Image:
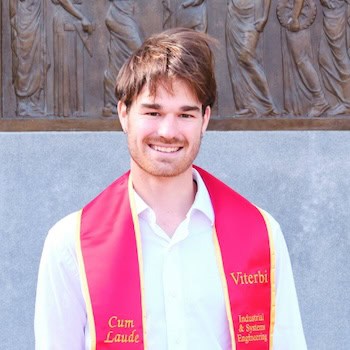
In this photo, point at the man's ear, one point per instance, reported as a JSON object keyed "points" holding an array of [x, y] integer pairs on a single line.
{"points": [[206, 118], [123, 115]]}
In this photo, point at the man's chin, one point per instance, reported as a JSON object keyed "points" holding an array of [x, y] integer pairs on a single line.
{"points": [[165, 170]]}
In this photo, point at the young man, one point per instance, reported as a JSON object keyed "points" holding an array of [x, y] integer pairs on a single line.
{"points": [[167, 257]]}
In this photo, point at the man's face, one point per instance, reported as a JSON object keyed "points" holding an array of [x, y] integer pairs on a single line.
{"points": [[165, 130]]}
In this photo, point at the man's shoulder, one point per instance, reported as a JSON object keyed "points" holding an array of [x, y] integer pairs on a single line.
{"points": [[61, 237], [67, 223], [270, 219], [274, 228]]}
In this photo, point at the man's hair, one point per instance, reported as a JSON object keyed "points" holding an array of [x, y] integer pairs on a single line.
{"points": [[173, 54]]}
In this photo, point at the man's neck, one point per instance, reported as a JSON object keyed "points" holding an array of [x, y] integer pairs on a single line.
{"points": [[169, 197]]}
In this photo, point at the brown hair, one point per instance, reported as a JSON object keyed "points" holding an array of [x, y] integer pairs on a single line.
{"points": [[176, 53]]}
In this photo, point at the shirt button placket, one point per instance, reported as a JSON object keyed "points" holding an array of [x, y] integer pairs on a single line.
{"points": [[173, 299]]}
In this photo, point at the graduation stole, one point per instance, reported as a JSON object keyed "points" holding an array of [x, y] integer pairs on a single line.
{"points": [[111, 270]]}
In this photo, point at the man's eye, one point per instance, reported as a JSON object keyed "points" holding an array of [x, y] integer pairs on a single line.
{"points": [[153, 114], [185, 116]]}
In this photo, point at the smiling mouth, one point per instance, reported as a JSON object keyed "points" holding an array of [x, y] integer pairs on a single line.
{"points": [[164, 149]]}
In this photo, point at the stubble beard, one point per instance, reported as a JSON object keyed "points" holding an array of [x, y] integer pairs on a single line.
{"points": [[159, 168]]}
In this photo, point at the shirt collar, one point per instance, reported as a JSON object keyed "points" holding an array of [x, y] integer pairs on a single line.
{"points": [[201, 202]]}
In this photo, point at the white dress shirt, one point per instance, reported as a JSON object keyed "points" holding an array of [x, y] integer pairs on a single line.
{"points": [[185, 308]]}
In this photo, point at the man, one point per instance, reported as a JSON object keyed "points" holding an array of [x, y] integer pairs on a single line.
{"points": [[167, 257]]}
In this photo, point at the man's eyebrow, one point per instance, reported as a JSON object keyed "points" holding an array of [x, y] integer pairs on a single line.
{"points": [[157, 106], [151, 105], [190, 108]]}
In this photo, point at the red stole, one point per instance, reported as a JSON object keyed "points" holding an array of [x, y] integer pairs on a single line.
{"points": [[110, 258]]}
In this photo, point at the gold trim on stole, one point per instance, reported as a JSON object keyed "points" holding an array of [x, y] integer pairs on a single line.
{"points": [[139, 254], [225, 288], [273, 276], [85, 288]]}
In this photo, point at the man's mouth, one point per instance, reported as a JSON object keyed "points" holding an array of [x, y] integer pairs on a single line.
{"points": [[164, 149]]}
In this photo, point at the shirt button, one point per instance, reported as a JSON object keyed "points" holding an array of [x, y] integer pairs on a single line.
{"points": [[178, 341]]}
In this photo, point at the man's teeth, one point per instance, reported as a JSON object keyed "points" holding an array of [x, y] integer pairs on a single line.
{"points": [[166, 149]]}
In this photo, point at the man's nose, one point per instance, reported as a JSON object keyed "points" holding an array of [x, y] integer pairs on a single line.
{"points": [[168, 126]]}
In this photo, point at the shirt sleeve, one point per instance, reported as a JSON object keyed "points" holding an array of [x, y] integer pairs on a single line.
{"points": [[288, 332], [60, 315]]}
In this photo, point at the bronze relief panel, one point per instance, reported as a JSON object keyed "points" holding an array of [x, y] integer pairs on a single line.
{"points": [[277, 60]]}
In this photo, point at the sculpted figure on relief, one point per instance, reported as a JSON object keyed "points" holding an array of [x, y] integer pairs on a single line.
{"points": [[333, 56], [185, 13], [246, 20], [303, 93], [29, 60], [71, 31], [125, 38]]}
